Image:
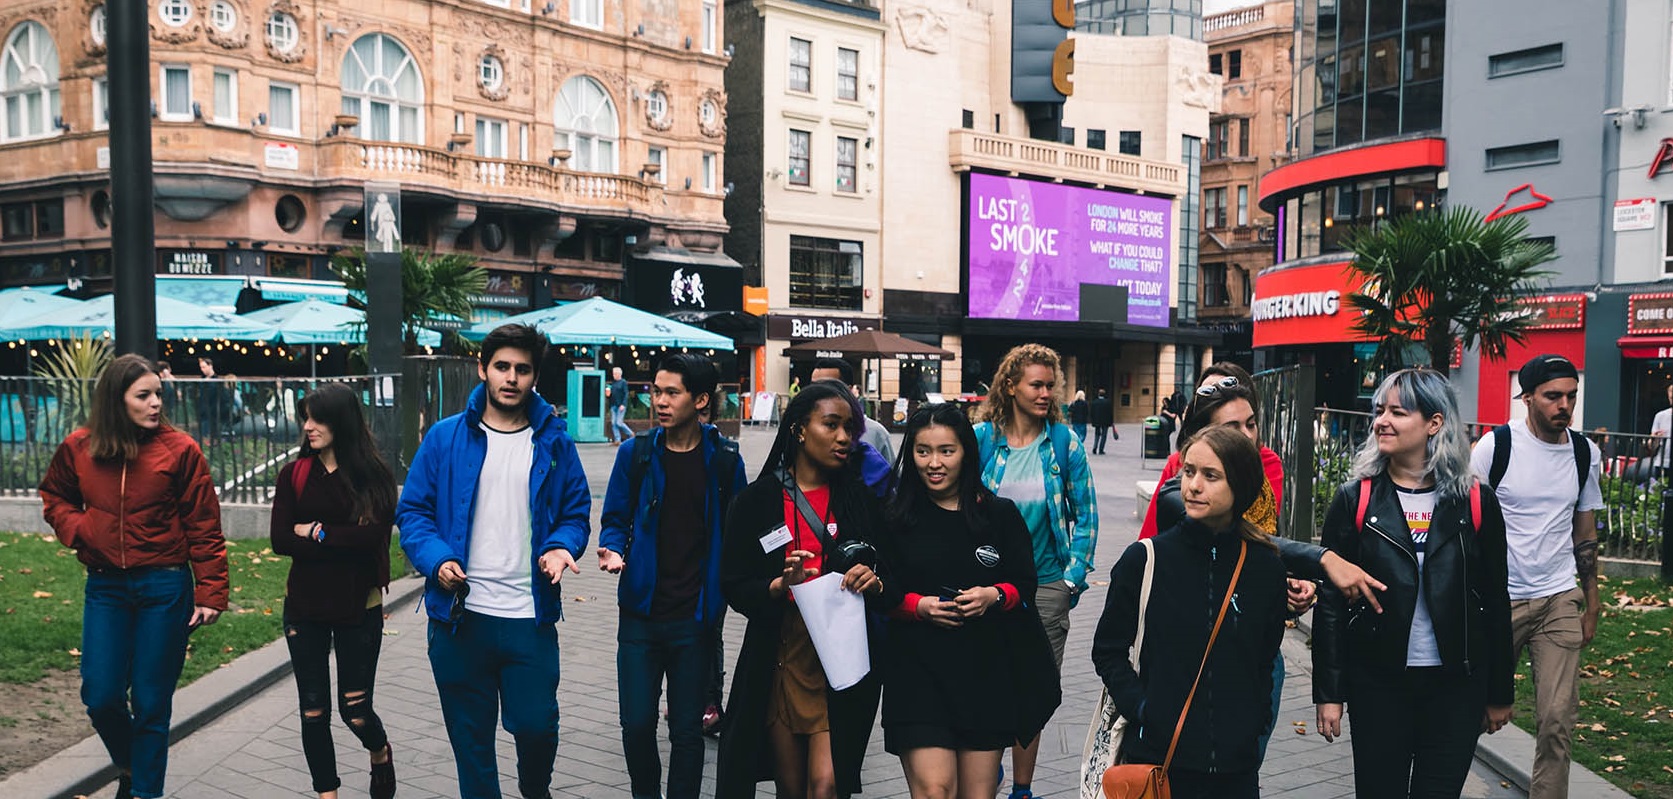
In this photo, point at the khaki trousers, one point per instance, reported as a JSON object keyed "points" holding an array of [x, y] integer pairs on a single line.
{"points": [[1550, 629]]}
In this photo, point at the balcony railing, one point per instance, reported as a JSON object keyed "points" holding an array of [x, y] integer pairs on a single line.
{"points": [[1233, 19], [969, 149]]}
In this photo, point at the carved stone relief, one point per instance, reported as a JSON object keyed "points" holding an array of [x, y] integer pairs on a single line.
{"points": [[666, 121], [1196, 87], [714, 127], [923, 29], [500, 92], [235, 39], [93, 49], [295, 53]]}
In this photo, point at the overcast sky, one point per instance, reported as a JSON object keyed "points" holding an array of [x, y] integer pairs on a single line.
{"points": [[1217, 6]]}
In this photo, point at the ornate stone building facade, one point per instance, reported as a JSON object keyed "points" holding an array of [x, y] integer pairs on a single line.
{"points": [[560, 141]]}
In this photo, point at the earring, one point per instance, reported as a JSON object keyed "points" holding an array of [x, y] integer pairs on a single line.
{"points": [[801, 440]]}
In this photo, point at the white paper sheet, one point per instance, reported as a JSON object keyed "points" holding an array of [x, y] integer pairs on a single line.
{"points": [[836, 621]]}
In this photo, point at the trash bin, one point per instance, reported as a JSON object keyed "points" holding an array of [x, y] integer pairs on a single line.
{"points": [[1155, 438]]}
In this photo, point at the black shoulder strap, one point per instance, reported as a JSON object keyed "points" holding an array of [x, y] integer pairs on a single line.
{"points": [[1501, 455], [636, 471], [1582, 458], [725, 465]]}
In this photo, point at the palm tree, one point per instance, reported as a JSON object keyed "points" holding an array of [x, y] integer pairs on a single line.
{"points": [[1435, 279], [434, 286]]}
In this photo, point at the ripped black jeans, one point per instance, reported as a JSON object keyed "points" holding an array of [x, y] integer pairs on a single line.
{"points": [[357, 648]]}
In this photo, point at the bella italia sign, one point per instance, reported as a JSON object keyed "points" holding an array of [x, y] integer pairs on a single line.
{"points": [[798, 327]]}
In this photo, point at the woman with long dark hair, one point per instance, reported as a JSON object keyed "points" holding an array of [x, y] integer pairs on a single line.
{"points": [[1215, 555], [1424, 678], [332, 515], [807, 513], [961, 587], [133, 497]]}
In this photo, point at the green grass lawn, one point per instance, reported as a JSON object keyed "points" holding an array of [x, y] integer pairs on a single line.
{"points": [[41, 596], [1626, 694]]}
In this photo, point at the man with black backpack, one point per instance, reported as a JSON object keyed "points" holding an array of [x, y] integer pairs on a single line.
{"points": [[661, 529], [1549, 493]]}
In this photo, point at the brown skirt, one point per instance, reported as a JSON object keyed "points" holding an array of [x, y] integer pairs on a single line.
{"points": [[797, 701]]}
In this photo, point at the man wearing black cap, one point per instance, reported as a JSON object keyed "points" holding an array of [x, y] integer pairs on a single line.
{"points": [[1549, 493]]}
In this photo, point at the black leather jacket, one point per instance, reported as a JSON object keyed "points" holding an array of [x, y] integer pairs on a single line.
{"points": [[1464, 581], [1303, 559]]}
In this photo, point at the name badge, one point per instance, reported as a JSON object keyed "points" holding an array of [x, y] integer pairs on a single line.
{"points": [[775, 539]]}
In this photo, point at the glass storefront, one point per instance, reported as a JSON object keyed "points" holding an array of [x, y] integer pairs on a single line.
{"points": [[1319, 221], [1367, 70]]}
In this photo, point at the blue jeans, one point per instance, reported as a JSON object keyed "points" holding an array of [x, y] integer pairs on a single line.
{"points": [[647, 651], [1277, 694], [133, 643], [486, 666], [1080, 431], [618, 428]]}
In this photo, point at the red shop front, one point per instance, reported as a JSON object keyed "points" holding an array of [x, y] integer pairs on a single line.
{"points": [[1559, 328], [1302, 316]]}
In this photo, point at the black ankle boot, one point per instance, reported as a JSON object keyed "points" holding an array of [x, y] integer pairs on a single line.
{"points": [[124, 786], [383, 776]]}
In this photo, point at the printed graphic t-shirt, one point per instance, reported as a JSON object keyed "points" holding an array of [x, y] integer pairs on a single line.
{"points": [[1025, 484], [1419, 507]]}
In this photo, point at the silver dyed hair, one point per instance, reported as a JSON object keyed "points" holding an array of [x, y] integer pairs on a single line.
{"points": [[1448, 460]]}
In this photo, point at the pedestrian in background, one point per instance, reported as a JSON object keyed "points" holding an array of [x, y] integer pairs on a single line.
{"points": [[875, 435], [133, 497], [494, 509], [1426, 676], [1080, 412], [617, 395], [962, 584], [661, 531], [1029, 456], [333, 509], [1217, 601], [214, 404], [1103, 418], [809, 512]]}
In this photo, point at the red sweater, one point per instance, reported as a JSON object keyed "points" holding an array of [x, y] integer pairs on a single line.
{"points": [[159, 509], [330, 580], [1270, 463]]}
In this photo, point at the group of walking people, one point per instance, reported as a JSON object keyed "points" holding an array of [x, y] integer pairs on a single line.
{"points": [[968, 553]]}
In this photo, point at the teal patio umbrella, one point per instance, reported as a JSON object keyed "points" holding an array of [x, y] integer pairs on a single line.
{"points": [[600, 322], [320, 322], [17, 305], [176, 321]]}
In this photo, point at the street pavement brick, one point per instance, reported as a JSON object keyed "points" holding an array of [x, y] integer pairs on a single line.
{"points": [[254, 751]]}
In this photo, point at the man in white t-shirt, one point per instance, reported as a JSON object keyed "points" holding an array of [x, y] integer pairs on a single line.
{"points": [[1660, 428], [494, 509], [1551, 533]]}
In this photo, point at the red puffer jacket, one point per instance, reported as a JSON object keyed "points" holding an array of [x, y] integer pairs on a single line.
{"points": [[159, 509]]}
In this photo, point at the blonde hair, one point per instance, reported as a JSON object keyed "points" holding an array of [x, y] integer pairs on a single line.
{"points": [[1000, 402]]}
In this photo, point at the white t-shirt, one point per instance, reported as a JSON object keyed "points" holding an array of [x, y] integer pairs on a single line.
{"points": [[500, 567], [1539, 498], [1662, 425], [1419, 507]]}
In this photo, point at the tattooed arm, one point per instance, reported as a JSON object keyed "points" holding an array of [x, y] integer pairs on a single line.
{"points": [[1585, 563]]}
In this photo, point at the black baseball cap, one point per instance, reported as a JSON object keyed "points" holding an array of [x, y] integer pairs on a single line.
{"points": [[1543, 369]]}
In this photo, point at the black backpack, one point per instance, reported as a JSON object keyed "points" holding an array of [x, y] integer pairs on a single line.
{"points": [[725, 463], [1501, 456]]}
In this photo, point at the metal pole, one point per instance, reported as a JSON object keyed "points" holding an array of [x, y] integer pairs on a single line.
{"points": [[133, 231]]}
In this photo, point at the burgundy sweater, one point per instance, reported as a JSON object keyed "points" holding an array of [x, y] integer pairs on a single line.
{"points": [[330, 581]]}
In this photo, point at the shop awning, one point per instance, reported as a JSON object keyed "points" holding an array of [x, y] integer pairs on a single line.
{"points": [[220, 292], [1652, 347], [674, 255]]}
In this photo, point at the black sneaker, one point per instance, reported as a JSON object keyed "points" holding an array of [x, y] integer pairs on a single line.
{"points": [[383, 776], [124, 786]]}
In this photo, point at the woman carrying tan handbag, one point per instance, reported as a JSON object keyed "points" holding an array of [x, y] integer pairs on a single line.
{"points": [[1218, 600]]}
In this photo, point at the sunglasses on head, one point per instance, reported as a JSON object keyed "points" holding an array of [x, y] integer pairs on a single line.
{"points": [[1214, 388]]}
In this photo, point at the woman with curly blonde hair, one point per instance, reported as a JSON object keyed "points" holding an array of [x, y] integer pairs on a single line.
{"points": [[1030, 457]]}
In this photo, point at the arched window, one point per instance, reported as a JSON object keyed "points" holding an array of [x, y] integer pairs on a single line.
{"points": [[586, 123], [382, 86], [29, 83]]}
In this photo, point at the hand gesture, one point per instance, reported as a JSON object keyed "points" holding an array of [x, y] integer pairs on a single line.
{"points": [[862, 580], [1302, 594], [1588, 625], [973, 602], [1495, 717], [1330, 720], [609, 561], [794, 574], [1351, 580], [939, 613], [202, 616], [554, 562], [451, 575]]}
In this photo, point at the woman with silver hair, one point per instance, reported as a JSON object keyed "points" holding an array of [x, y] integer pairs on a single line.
{"points": [[1433, 670]]}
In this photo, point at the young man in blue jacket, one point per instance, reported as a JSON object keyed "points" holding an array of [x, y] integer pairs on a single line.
{"points": [[495, 508], [663, 513]]}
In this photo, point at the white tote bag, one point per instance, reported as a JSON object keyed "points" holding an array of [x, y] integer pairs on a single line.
{"points": [[1103, 737]]}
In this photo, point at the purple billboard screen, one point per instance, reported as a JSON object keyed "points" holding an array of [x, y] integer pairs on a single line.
{"points": [[1033, 244]]}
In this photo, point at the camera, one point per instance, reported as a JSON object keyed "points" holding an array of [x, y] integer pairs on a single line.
{"points": [[848, 554]]}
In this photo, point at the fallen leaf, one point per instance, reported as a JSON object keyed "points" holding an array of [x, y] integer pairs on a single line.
{"points": [[43, 594], [1616, 758], [75, 653], [391, 632], [266, 611], [25, 571]]}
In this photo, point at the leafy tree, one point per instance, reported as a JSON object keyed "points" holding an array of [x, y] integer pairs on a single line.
{"points": [[433, 286], [1434, 279]]}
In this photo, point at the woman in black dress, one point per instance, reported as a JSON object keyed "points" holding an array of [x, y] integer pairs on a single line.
{"points": [[784, 722], [959, 685]]}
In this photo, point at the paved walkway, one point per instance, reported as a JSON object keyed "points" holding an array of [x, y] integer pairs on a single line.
{"points": [[254, 751]]}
